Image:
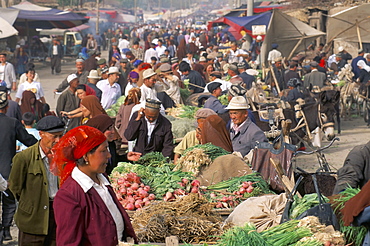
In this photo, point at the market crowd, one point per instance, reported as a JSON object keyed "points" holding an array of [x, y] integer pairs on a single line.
{"points": [[64, 171]]}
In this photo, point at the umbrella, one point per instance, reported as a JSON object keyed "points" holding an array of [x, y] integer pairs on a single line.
{"points": [[6, 30]]}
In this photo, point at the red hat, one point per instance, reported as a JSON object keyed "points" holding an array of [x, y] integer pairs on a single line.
{"points": [[73, 146]]}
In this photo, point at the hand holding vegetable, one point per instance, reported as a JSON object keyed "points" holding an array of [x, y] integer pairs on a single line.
{"points": [[133, 156]]}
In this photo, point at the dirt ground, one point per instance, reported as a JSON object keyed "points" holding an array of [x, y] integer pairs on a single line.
{"points": [[354, 132]]}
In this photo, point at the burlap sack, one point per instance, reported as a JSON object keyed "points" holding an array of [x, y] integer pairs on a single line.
{"points": [[223, 168], [264, 211]]}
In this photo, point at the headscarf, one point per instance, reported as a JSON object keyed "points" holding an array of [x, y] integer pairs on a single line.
{"points": [[363, 65], [93, 105], [27, 107], [102, 122], [144, 66], [133, 75], [181, 50], [87, 89], [213, 130], [134, 95], [73, 146]]}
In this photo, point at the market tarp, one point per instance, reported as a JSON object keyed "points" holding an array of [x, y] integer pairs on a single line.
{"points": [[237, 24], [6, 30], [10, 15], [343, 25], [289, 33], [35, 16]]}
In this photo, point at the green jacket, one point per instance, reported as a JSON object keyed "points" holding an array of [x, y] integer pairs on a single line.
{"points": [[28, 182]]}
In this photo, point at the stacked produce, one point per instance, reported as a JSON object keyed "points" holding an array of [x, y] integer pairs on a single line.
{"points": [[182, 111], [131, 192], [113, 110], [190, 218], [181, 126], [301, 205], [354, 234], [156, 174], [198, 156], [307, 231], [230, 193]]}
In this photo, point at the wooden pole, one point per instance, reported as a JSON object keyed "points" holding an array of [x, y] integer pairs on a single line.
{"points": [[295, 48], [358, 34], [275, 80]]}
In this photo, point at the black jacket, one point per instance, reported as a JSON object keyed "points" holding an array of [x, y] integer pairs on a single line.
{"points": [[11, 130], [356, 169], [161, 139]]}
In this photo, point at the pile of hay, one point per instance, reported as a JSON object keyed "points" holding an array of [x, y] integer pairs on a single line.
{"points": [[190, 218]]}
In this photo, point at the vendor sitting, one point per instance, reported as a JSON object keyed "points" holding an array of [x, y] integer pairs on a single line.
{"points": [[213, 102], [151, 130], [293, 93], [190, 138], [243, 132]]}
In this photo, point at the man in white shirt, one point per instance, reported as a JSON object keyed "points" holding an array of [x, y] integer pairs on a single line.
{"points": [[235, 54], [274, 54], [160, 48], [7, 73], [216, 77], [149, 53], [111, 91], [171, 83], [123, 43], [148, 88]]}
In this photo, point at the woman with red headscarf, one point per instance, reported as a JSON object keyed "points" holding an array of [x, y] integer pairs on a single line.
{"points": [[95, 215]]}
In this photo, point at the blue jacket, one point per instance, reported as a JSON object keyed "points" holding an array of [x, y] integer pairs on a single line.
{"points": [[215, 104]]}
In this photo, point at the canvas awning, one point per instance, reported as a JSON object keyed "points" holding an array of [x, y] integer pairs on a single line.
{"points": [[350, 24], [289, 33], [6, 30], [238, 24], [34, 16]]}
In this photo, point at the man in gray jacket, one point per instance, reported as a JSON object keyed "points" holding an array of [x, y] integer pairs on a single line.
{"points": [[243, 132], [315, 78]]}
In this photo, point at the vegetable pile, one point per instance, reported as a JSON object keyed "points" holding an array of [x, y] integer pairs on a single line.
{"points": [[182, 111], [113, 110], [353, 234], [230, 193], [190, 218], [307, 231], [198, 156], [131, 192], [301, 205]]}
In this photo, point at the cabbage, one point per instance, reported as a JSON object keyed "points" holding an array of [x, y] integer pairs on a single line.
{"points": [[111, 112]]}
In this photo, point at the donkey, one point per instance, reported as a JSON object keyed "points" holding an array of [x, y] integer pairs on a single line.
{"points": [[316, 113], [349, 95]]}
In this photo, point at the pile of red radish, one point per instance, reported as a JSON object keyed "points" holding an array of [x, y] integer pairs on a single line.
{"points": [[131, 192], [223, 201], [185, 189]]}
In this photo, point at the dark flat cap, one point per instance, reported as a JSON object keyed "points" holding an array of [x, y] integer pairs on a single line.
{"points": [[123, 60], [216, 74], [101, 61], [213, 86], [50, 124]]}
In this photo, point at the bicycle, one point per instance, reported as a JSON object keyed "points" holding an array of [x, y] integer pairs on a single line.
{"points": [[324, 165]]}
